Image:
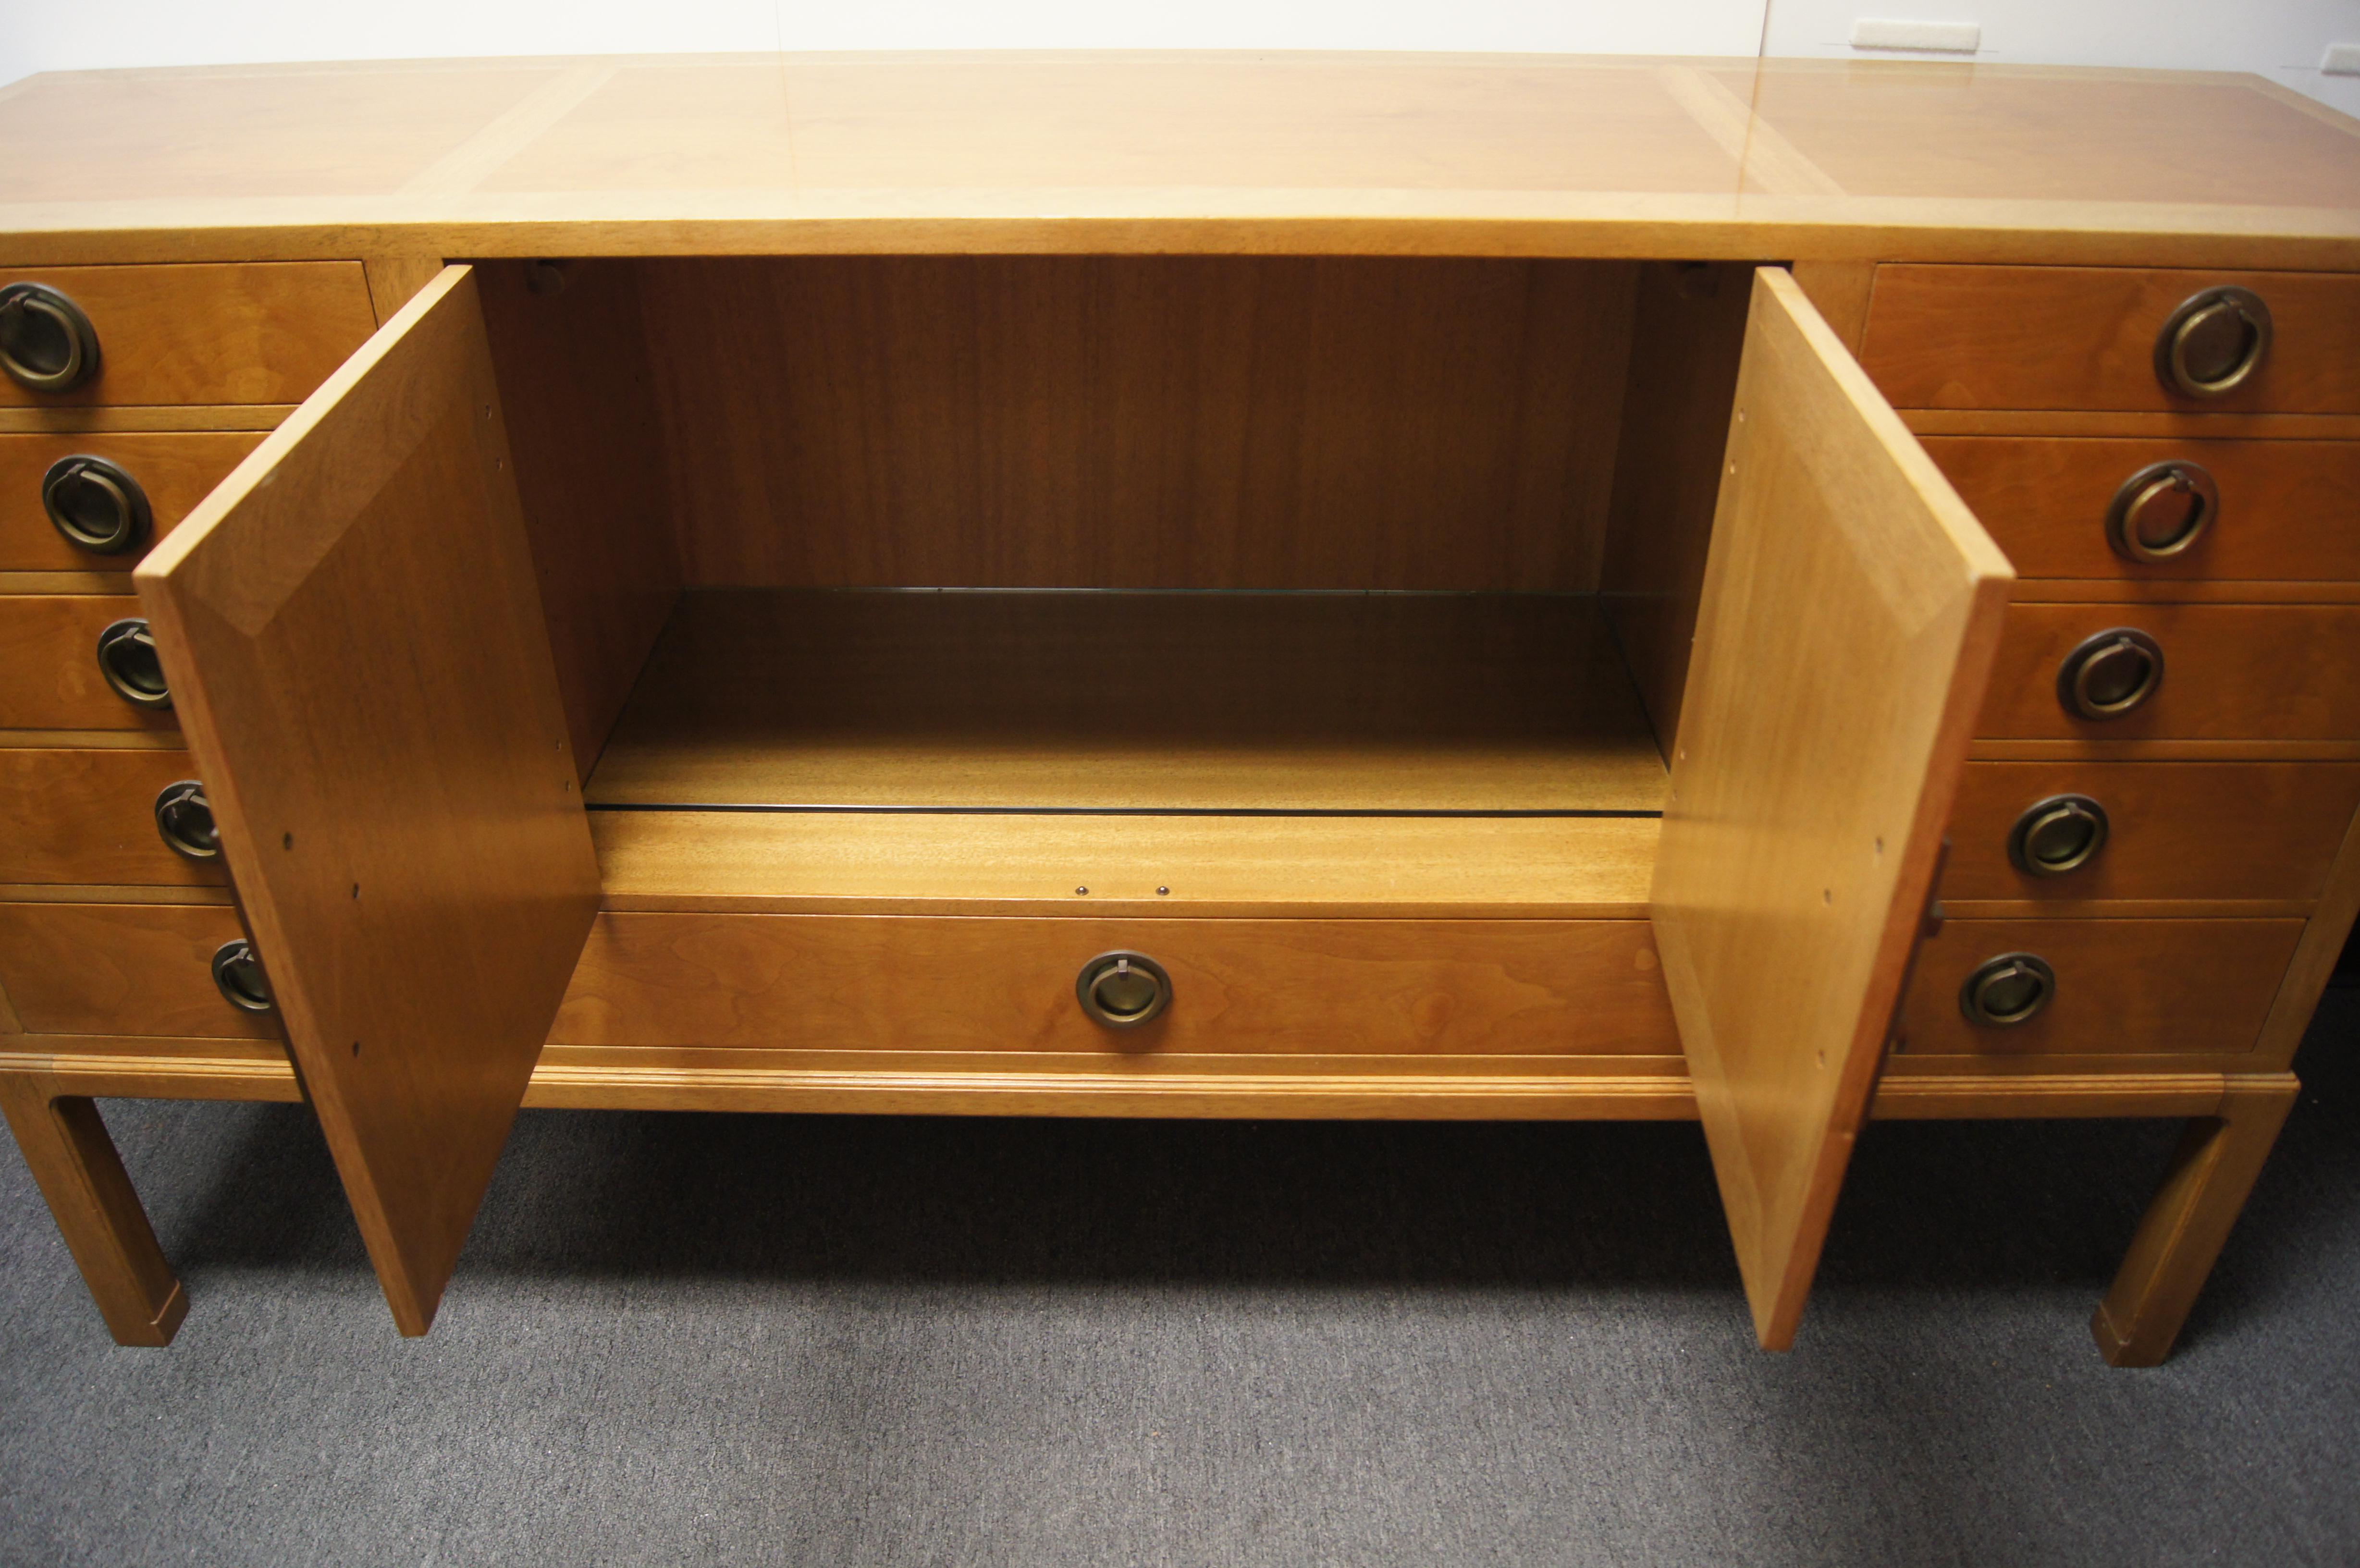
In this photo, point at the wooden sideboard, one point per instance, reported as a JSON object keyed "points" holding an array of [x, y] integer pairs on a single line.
{"points": [[1186, 585]]}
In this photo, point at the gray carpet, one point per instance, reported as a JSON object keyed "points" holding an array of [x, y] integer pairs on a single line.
{"points": [[742, 1340]]}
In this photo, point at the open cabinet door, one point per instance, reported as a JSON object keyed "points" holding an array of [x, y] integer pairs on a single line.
{"points": [[1850, 609], [354, 642]]}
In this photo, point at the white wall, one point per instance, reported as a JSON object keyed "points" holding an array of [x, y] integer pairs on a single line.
{"points": [[2280, 38]]}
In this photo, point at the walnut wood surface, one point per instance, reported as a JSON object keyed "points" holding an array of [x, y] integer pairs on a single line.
{"points": [[257, 332], [364, 681], [2066, 337], [121, 969], [2265, 672], [173, 469], [1815, 765], [48, 647], [2129, 986], [1565, 869], [897, 984], [1177, 700], [2176, 830], [1139, 423], [2045, 501], [76, 816]]}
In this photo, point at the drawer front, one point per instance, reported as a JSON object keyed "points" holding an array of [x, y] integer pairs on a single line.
{"points": [[141, 969], [172, 473], [2123, 987], [2084, 337], [2173, 829], [50, 678], [90, 817], [914, 983], [240, 333], [2284, 511], [2230, 673]]}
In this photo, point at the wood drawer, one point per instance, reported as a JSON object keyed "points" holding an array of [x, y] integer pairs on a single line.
{"points": [[2174, 830], [2231, 672], [237, 332], [122, 969], [50, 678], [174, 470], [921, 982], [2083, 337], [2285, 506], [89, 817], [2124, 987]]}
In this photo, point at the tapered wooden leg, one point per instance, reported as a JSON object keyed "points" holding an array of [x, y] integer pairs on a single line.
{"points": [[74, 1161], [2183, 1230]]}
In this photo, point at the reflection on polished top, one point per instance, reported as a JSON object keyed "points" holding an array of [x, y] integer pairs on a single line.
{"points": [[1538, 154]]}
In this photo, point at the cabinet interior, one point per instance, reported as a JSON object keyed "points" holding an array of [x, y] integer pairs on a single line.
{"points": [[1340, 582]]}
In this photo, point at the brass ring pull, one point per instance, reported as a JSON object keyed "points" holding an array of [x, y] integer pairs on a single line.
{"points": [[1123, 990], [95, 505], [2008, 990], [2108, 675], [2161, 511], [185, 821], [47, 344], [2061, 834], [238, 976], [126, 656], [2212, 344]]}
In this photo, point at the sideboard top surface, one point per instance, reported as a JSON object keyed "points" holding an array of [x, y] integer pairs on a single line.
{"points": [[1530, 155]]}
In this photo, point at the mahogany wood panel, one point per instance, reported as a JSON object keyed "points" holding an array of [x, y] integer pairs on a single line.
{"points": [[895, 982], [2231, 672], [174, 469], [2283, 504], [67, 1148], [49, 650], [582, 423], [79, 816], [2198, 986], [2081, 337], [2315, 959], [242, 332], [1129, 701], [2175, 830], [1851, 607], [1689, 334], [1140, 422], [122, 969], [369, 695]]}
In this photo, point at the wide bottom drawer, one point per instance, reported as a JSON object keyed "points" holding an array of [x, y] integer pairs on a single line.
{"points": [[131, 969], [921, 983]]}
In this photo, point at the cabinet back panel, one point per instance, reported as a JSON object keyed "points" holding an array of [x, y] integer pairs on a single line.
{"points": [[1139, 421]]}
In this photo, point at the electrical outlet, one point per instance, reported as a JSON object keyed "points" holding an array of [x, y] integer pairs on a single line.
{"points": [[1933, 37]]}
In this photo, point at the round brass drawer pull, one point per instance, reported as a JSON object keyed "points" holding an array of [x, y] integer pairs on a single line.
{"points": [[2161, 511], [2062, 833], [1123, 990], [95, 505], [2214, 342], [2108, 675], [46, 343], [186, 821], [2008, 990], [126, 656], [237, 974]]}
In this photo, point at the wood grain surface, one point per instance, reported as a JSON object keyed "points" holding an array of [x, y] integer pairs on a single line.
{"points": [[77, 816], [2267, 672], [369, 695], [48, 648], [122, 969], [173, 469], [1171, 700], [255, 332], [2071, 337], [1817, 758]]}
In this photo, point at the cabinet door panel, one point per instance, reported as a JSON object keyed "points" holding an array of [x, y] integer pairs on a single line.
{"points": [[355, 646], [1850, 609]]}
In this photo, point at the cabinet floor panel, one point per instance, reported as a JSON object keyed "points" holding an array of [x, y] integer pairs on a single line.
{"points": [[1130, 701]]}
